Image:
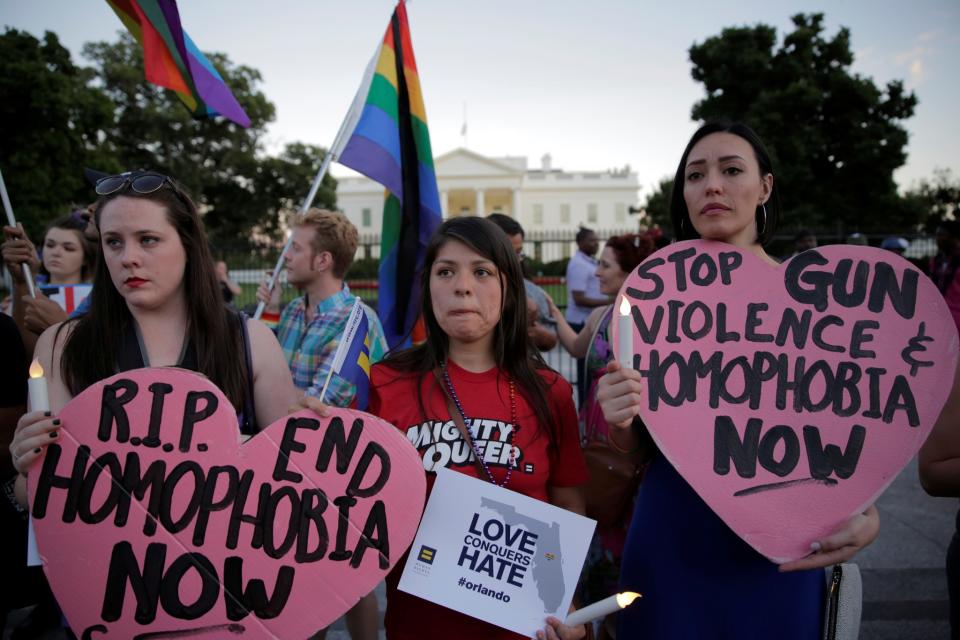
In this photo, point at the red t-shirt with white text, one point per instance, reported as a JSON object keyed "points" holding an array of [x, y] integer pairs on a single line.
{"points": [[485, 398]]}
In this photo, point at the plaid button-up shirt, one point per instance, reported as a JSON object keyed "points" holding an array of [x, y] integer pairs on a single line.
{"points": [[310, 348]]}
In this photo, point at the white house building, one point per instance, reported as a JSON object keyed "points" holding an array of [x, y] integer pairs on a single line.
{"points": [[541, 199]]}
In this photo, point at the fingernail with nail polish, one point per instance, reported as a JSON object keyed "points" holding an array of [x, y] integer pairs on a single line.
{"points": [[815, 546], [56, 421], [53, 434], [37, 450], [47, 414]]}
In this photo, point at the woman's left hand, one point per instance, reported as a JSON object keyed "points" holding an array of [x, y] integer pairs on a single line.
{"points": [[556, 630], [311, 403], [858, 532]]}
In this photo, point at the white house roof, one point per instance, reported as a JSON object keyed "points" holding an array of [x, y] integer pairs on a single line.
{"points": [[462, 162]]}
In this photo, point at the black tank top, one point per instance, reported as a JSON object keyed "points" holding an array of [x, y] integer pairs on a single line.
{"points": [[131, 356]]}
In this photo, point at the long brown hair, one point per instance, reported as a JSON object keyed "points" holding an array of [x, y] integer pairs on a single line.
{"points": [[90, 352], [767, 216], [513, 352]]}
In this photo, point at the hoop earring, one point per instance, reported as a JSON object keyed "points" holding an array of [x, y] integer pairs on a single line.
{"points": [[763, 226]]}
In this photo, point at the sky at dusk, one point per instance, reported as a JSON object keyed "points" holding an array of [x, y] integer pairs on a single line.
{"points": [[597, 84]]}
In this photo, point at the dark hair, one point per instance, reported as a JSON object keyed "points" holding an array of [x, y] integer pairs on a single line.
{"points": [[73, 222], [510, 226], [631, 249], [513, 352], [212, 329], [804, 233], [680, 217], [951, 227], [582, 233]]}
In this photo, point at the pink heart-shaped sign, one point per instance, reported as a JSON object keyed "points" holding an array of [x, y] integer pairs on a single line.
{"points": [[153, 521], [788, 397]]}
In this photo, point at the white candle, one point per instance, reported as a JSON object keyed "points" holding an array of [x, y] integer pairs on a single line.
{"points": [[625, 335], [39, 401], [37, 386], [600, 609]]}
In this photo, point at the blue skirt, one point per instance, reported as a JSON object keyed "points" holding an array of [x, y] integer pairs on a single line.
{"points": [[700, 581]]}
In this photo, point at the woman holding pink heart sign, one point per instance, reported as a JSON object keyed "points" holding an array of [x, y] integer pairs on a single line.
{"points": [[157, 304], [698, 578]]}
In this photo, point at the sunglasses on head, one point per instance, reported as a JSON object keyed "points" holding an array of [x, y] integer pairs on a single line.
{"points": [[143, 183]]}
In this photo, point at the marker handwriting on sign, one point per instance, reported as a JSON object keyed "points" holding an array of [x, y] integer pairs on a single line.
{"points": [[848, 284], [283, 520], [800, 388], [775, 373]]}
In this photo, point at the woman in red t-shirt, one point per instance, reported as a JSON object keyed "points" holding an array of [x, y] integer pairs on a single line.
{"points": [[520, 413]]}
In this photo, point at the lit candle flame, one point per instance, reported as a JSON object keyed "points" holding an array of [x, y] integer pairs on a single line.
{"points": [[624, 307], [626, 598], [36, 371]]}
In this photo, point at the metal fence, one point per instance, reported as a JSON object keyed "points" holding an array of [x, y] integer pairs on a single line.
{"points": [[547, 253]]}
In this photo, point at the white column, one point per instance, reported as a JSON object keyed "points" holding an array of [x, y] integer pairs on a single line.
{"points": [[515, 212], [481, 207], [444, 205]]}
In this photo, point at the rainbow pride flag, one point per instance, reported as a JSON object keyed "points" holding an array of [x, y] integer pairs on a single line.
{"points": [[385, 137], [172, 60]]}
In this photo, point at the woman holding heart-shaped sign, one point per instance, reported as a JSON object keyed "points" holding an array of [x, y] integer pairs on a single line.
{"points": [[697, 577], [157, 303]]}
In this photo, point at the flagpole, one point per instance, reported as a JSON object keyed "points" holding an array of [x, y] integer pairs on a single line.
{"points": [[327, 159], [353, 114], [326, 383], [13, 223]]}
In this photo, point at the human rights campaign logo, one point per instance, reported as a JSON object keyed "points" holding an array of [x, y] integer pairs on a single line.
{"points": [[426, 554]]}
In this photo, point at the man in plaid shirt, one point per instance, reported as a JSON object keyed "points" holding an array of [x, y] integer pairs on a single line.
{"points": [[309, 330]]}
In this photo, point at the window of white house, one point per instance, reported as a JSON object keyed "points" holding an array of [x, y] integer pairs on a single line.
{"points": [[620, 212], [564, 214], [538, 214], [367, 218], [592, 213]]}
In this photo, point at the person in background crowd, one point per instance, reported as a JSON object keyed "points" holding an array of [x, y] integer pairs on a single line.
{"points": [[228, 287], [543, 328], [857, 238], [620, 256], [804, 239], [22, 586], [678, 550], [939, 466], [895, 244], [68, 258], [943, 266], [583, 291], [322, 248]]}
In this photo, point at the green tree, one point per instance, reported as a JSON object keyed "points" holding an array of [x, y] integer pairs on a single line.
{"points": [[657, 205], [835, 137], [52, 124], [222, 165], [935, 199]]}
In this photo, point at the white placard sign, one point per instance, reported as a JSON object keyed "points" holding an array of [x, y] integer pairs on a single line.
{"points": [[495, 554]]}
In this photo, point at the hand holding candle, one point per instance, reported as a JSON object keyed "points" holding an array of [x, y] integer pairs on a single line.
{"points": [[600, 609], [625, 335]]}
